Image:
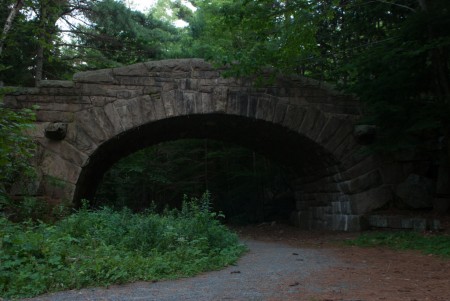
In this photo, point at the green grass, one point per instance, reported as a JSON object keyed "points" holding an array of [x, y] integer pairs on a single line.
{"points": [[99, 248], [438, 244]]}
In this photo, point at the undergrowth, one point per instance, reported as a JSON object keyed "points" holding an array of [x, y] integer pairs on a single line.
{"points": [[99, 248], [438, 244]]}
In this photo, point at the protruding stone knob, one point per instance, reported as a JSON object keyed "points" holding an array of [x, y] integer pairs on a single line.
{"points": [[56, 131], [365, 134]]}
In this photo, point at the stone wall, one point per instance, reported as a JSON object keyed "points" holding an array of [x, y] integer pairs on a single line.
{"points": [[85, 125]]}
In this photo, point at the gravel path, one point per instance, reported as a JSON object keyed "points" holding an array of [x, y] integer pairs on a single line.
{"points": [[269, 271]]}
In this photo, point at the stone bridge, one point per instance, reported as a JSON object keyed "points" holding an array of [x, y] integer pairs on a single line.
{"points": [[85, 125]]}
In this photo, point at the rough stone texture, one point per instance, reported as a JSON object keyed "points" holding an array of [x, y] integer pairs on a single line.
{"points": [[56, 131], [400, 222], [365, 134], [416, 191], [362, 183], [369, 200], [56, 83], [441, 205], [112, 112]]}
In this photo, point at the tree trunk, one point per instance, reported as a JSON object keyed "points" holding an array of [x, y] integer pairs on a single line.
{"points": [[439, 58], [206, 164], [39, 64], [8, 24]]}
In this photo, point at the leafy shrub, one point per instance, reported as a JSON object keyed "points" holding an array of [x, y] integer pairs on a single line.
{"points": [[16, 148], [92, 248]]}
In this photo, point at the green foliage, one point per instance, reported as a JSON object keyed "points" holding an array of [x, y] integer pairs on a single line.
{"points": [[392, 54], [35, 29], [438, 244], [402, 73], [16, 147], [253, 35], [117, 35], [242, 181], [110, 35], [92, 248]]}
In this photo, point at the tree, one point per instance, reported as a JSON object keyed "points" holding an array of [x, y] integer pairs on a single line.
{"points": [[115, 35], [16, 147], [31, 47], [103, 33], [394, 55], [8, 23]]}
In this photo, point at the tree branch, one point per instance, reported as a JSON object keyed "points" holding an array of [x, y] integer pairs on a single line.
{"points": [[399, 5], [12, 15]]}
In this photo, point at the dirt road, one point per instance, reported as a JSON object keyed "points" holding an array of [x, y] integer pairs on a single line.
{"points": [[284, 263]]}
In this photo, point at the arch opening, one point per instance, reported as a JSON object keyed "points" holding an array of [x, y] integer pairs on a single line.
{"points": [[299, 156], [243, 185]]}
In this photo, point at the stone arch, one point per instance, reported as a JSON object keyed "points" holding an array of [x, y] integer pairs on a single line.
{"points": [[107, 113]]}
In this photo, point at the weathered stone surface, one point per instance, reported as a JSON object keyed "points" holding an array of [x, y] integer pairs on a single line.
{"points": [[103, 76], [416, 191], [136, 70], [219, 99], [56, 83], [58, 189], [294, 117], [392, 172], [77, 136], [347, 148], [55, 166], [330, 128], [266, 108], [63, 107], [303, 219], [401, 222], [237, 103], [347, 222], [132, 112], [441, 205], [341, 207], [365, 134], [65, 150], [158, 106], [38, 130], [57, 91], [307, 126], [362, 183], [189, 101], [338, 137], [362, 167], [96, 124], [370, 200], [56, 131], [280, 111]]}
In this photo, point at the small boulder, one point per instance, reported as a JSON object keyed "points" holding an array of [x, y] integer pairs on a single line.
{"points": [[416, 191], [365, 134], [56, 131]]}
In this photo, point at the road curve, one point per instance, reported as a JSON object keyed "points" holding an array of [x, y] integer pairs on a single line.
{"points": [[269, 271]]}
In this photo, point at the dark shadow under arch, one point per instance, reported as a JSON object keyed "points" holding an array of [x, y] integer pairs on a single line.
{"points": [[295, 152]]}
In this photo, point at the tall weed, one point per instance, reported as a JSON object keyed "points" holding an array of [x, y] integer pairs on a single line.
{"points": [[95, 248]]}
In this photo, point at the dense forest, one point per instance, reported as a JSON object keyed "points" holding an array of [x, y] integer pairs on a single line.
{"points": [[244, 185], [393, 55]]}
